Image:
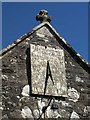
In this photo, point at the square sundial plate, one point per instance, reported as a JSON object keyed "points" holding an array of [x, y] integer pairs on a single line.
{"points": [[48, 75]]}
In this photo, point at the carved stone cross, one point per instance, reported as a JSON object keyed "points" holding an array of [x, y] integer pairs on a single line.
{"points": [[43, 17]]}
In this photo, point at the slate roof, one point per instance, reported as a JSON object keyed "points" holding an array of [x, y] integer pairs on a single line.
{"points": [[60, 39]]}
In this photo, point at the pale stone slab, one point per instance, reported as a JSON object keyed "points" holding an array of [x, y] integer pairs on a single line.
{"points": [[39, 57]]}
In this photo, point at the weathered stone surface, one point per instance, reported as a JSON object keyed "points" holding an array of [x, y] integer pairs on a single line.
{"points": [[16, 75], [78, 79], [16, 113], [39, 57], [52, 113], [36, 113], [26, 90], [44, 31], [64, 114], [74, 115], [26, 112], [73, 94]]}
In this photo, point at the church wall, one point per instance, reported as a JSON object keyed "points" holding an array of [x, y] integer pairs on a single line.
{"points": [[16, 101]]}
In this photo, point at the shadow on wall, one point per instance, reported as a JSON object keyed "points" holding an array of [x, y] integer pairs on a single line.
{"points": [[28, 68]]}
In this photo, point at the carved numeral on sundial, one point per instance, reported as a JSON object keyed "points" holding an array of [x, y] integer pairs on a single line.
{"points": [[48, 74]]}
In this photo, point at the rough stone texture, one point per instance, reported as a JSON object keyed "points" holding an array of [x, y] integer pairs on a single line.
{"points": [[16, 74], [73, 95], [26, 90], [39, 57]]}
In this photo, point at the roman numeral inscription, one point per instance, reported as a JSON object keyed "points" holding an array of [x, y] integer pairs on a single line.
{"points": [[48, 75]]}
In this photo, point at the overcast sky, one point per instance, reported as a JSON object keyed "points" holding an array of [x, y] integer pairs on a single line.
{"points": [[69, 19]]}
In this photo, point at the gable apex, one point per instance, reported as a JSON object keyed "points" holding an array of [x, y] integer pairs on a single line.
{"points": [[78, 58]]}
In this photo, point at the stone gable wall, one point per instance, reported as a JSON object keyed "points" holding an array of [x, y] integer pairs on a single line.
{"points": [[16, 101]]}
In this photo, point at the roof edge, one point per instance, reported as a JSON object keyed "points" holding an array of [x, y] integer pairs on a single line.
{"points": [[22, 38], [16, 42], [68, 45]]}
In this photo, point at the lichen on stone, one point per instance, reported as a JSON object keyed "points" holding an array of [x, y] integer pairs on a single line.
{"points": [[73, 94]]}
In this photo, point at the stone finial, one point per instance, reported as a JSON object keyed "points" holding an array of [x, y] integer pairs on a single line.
{"points": [[43, 17]]}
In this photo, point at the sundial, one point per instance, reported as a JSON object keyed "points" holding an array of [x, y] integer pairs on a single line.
{"points": [[48, 75]]}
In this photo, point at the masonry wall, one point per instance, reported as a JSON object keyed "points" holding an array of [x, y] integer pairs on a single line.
{"points": [[16, 101]]}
